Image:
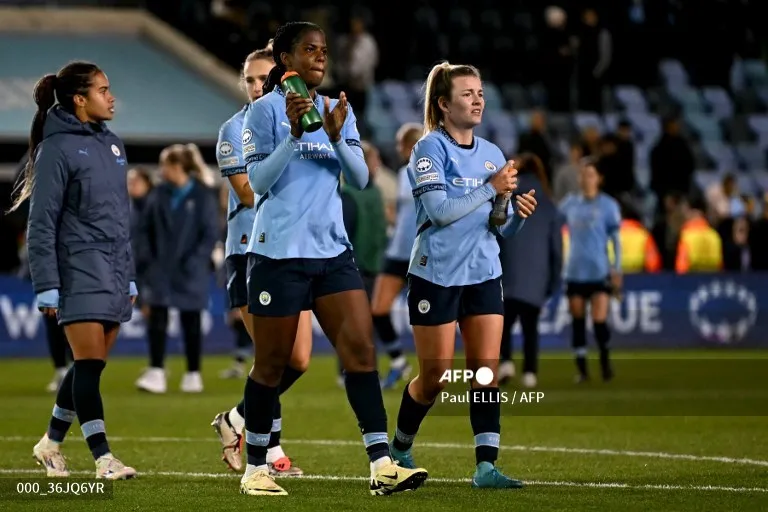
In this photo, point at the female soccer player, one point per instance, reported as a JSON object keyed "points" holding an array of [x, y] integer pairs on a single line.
{"points": [[229, 425], [593, 218], [177, 235], [299, 256], [391, 280], [79, 248], [455, 273]]}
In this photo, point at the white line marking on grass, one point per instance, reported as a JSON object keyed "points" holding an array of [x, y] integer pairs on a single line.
{"points": [[338, 478], [517, 448]]}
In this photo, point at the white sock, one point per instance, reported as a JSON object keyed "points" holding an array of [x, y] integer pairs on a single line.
{"points": [[236, 420], [380, 462], [398, 362], [250, 469], [274, 454]]}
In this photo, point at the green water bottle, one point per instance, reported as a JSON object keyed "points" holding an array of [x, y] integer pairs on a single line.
{"points": [[292, 82]]}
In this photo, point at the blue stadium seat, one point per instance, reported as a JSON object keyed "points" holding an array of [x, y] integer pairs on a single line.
{"points": [[515, 96], [405, 113], [706, 178], [508, 146], [687, 97], [759, 124], [755, 73], [706, 127], [647, 127], [611, 122], [523, 121], [761, 180], [719, 102], [631, 98], [642, 172], [501, 124], [747, 185], [721, 154], [750, 156], [584, 120], [643, 160], [382, 124], [395, 93], [492, 96], [673, 72]]}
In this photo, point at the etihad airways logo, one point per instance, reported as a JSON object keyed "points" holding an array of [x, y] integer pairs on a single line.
{"points": [[315, 150]]}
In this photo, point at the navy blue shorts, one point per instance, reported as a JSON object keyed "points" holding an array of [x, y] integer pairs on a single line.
{"points": [[397, 268], [237, 277], [586, 289], [432, 304], [288, 287]]}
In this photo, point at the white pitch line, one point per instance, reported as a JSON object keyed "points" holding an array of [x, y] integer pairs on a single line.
{"points": [[339, 478], [460, 446]]}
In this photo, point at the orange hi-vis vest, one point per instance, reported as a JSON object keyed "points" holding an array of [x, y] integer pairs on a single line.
{"points": [[699, 249], [638, 250]]}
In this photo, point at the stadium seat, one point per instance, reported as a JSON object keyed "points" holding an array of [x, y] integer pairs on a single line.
{"points": [[687, 97], [706, 127], [750, 156], [761, 180], [515, 96], [492, 96], [642, 172], [643, 159], [719, 102], [631, 98], [523, 121], [584, 120], [755, 73], [759, 125], [646, 126], [395, 93], [405, 114], [673, 73], [501, 124], [721, 154], [706, 178]]}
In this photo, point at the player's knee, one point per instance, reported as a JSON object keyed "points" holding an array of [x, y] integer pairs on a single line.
{"points": [[431, 383], [268, 372], [300, 362]]}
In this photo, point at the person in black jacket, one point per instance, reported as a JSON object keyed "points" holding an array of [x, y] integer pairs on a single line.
{"points": [[79, 247], [531, 264], [139, 186], [179, 229]]}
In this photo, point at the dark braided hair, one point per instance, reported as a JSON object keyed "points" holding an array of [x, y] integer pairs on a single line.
{"points": [[285, 41]]}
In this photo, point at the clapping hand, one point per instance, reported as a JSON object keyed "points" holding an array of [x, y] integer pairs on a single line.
{"points": [[526, 204], [333, 120]]}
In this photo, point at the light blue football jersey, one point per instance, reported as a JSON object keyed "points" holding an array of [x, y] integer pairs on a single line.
{"points": [[591, 223], [455, 245], [401, 243], [299, 214], [229, 154]]}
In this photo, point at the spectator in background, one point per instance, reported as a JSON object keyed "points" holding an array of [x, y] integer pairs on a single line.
{"points": [[625, 148], [700, 248], [672, 162], [537, 143], [359, 57], [666, 230], [758, 240], [638, 250], [557, 59], [179, 228], [737, 253], [590, 141], [619, 180], [365, 220], [723, 200], [139, 187], [595, 48], [531, 264], [567, 175]]}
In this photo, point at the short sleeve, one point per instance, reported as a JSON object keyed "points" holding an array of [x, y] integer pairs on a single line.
{"points": [[258, 136], [427, 167], [229, 150]]}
